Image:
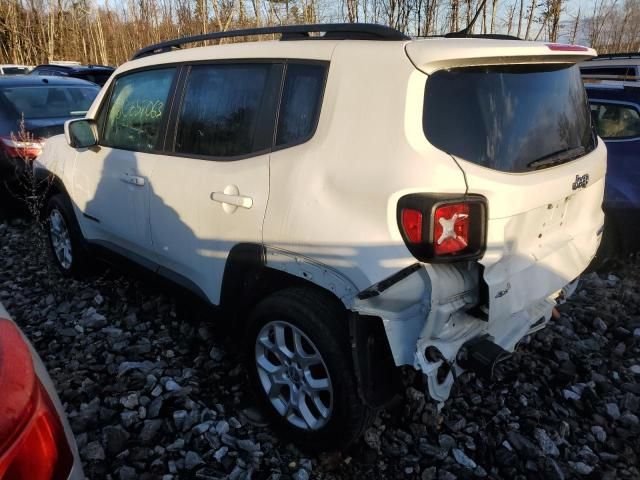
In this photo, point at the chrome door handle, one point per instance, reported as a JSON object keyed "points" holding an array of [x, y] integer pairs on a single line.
{"points": [[132, 179], [231, 199]]}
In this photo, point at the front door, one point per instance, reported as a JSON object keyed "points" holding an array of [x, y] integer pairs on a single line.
{"points": [[111, 185], [210, 191]]}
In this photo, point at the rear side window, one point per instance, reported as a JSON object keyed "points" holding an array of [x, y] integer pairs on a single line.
{"points": [[220, 114], [509, 118], [616, 121], [614, 71], [303, 88], [136, 109]]}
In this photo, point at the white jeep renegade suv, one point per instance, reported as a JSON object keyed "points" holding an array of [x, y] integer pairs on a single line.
{"points": [[355, 201]]}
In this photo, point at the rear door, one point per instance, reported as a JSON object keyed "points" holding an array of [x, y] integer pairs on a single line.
{"points": [[523, 136], [209, 192]]}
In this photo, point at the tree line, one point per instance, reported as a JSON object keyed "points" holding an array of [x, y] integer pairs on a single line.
{"points": [[109, 31]]}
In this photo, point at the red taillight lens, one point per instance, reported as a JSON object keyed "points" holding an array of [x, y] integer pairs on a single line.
{"points": [[451, 228], [32, 441], [412, 224], [16, 148]]}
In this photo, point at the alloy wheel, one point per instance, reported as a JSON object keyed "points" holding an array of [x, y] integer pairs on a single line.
{"points": [[294, 375]]}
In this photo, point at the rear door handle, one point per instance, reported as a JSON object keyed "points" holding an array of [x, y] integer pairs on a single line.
{"points": [[132, 179], [231, 199]]}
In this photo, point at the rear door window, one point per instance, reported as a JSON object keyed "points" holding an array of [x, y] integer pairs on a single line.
{"points": [[616, 121], [222, 113], [509, 118]]}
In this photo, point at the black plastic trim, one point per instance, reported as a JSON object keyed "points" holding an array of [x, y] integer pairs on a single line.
{"points": [[379, 380], [427, 203], [90, 217], [244, 263], [381, 286]]}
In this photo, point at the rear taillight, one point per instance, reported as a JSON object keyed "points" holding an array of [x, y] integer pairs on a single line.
{"points": [[25, 149], [412, 224], [33, 445], [443, 227]]}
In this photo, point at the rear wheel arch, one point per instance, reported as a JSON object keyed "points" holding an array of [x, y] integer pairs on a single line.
{"points": [[253, 271], [251, 275]]}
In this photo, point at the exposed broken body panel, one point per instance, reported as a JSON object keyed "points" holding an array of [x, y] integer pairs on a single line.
{"points": [[430, 308], [431, 311]]}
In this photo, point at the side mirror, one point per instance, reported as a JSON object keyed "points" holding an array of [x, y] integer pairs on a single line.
{"points": [[81, 133]]}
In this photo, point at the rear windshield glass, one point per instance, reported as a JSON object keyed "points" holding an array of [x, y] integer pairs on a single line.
{"points": [[509, 118], [15, 70], [99, 78], [50, 101]]}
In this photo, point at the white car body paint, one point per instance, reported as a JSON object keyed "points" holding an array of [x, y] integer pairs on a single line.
{"points": [[325, 210]]}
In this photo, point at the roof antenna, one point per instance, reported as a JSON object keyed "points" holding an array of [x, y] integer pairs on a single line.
{"points": [[465, 31]]}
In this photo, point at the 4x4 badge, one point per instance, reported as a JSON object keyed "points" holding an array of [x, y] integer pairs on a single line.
{"points": [[581, 181]]}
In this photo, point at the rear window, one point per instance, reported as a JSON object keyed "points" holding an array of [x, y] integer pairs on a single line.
{"points": [[15, 70], [509, 118], [50, 101], [98, 78]]}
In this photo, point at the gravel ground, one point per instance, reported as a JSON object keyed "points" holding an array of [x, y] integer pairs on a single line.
{"points": [[154, 393]]}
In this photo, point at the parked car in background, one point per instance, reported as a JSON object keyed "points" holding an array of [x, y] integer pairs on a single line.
{"points": [[36, 442], [615, 110], [14, 69], [614, 66], [41, 105], [98, 74], [354, 202]]}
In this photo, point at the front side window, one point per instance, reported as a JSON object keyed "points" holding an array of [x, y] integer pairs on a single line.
{"points": [[616, 121], [303, 87], [136, 109], [512, 118], [220, 113]]}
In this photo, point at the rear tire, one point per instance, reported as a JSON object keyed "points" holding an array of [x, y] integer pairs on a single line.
{"points": [[298, 349], [67, 246]]}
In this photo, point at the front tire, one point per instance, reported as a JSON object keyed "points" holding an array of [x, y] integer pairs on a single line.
{"points": [[300, 368], [66, 245]]}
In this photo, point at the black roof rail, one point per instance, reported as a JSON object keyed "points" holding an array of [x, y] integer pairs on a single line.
{"points": [[606, 56], [332, 31], [489, 36]]}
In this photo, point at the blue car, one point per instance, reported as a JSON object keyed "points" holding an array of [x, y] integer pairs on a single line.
{"points": [[615, 110]]}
